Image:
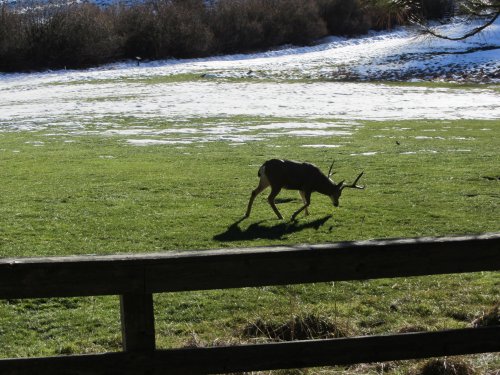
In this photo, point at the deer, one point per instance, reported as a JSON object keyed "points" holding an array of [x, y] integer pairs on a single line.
{"points": [[304, 177]]}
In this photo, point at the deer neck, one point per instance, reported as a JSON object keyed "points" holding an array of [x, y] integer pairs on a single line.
{"points": [[325, 186]]}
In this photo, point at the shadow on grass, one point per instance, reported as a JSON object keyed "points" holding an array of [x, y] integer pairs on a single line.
{"points": [[275, 232]]}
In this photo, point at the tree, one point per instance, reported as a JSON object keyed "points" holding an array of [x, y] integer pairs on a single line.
{"points": [[486, 11]]}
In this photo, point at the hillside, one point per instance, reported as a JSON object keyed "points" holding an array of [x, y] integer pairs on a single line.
{"points": [[249, 82], [401, 55]]}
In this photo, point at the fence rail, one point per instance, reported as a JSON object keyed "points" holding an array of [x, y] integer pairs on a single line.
{"points": [[136, 277]]}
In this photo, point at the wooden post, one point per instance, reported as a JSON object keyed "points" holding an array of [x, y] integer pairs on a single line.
{"points": [[137, 317]]}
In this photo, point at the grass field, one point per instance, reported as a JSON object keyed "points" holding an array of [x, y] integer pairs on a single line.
{"points": [[129, 191]]}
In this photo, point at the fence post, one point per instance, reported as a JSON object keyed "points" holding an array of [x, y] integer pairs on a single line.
{"points": [[137, 317]]}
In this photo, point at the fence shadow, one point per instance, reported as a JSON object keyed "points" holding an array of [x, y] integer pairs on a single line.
{"points": [[275, 232]]}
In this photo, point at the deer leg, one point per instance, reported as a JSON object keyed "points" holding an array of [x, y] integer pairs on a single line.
{"points": [[303, 195], [270, 199], [263, 183], [307, 199]]}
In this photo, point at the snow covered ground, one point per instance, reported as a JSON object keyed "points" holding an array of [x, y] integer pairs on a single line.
{"points": [[335, 81]]}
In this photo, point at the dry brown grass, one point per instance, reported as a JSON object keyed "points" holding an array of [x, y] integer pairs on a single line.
{"points": [[446, 367], [305, 327], [488, 318]]}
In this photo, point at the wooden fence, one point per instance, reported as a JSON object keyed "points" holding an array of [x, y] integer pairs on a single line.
{"points": [[136, 277]]}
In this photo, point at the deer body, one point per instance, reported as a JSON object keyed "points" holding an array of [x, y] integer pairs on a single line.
{"points": [[292, 175]]}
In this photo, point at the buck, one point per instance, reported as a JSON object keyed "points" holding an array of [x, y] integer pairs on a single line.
{"points": [[304, 177]]}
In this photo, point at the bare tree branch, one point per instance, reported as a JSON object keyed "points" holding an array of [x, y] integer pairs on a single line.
{"points": [[487, 11], [474, 31]]}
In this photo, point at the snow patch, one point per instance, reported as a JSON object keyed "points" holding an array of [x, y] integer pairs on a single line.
{"points": [[304, 86], [322, 146]]}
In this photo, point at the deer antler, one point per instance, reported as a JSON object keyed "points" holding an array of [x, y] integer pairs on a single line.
{"points": [[330, 170], [353, 185]]}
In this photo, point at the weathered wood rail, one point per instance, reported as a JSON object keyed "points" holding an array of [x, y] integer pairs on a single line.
{"points": [[136, 277]]}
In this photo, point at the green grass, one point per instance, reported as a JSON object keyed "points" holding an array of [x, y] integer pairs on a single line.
{"points": [[100, 195], [161, 79]]}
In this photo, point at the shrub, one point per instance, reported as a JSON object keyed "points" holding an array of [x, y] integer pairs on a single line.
{"points": [[12, 40], [344, 17], [243, 25], [299, 22], [165, 29], [181, 29], [75, 35], [55, 37], [386, 14], [436, 9], [135, 25]]}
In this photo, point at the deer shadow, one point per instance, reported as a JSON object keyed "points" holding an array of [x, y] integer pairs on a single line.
{"points": [[275, 232]]}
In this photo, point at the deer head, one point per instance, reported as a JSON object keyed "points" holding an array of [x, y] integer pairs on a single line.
{"points": [[336, 189]]}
